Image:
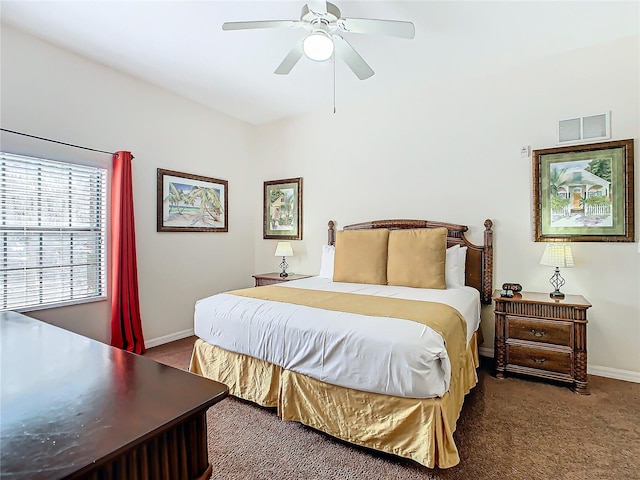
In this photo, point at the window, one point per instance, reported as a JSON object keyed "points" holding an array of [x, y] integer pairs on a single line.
{"points": [[52, 231]]}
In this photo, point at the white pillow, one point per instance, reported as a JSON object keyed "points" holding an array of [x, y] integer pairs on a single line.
{"points": [[326, 264], [451, 266], [455, 266], [462, 265]]}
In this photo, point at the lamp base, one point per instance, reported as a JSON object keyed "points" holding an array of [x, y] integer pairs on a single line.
{"points": [[283, 266], [556, 282]]}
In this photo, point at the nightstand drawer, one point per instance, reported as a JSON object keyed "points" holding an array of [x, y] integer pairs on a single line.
{"points": [[539, 330], [539, 358], [266, 281]]}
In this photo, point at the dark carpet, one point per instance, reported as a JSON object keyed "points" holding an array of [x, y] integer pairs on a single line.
{"points": [[508, 429]]}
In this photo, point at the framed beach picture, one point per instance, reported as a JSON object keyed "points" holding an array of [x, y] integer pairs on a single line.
{"points": [[584, 193], [282, 209], [192, 203]]}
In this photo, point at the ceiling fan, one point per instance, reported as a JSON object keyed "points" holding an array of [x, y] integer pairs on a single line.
{"points": [[325, 25]]}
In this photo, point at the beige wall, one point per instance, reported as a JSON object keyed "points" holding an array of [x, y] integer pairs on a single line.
{"points": [[452, 153], [49, 92]]}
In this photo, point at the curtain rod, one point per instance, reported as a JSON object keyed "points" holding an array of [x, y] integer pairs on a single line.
{"points": [[56, 141]]}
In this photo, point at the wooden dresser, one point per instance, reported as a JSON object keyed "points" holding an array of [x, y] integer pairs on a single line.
{"points": [[75, 408], [543, 337]]}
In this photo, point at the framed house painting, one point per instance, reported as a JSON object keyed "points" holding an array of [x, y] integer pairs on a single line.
{"points": [[282, 209], [584, 193], [191, 203]]}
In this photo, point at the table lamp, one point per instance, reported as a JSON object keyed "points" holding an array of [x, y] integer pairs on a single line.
{"points": [[283, 249], [557, 256]]}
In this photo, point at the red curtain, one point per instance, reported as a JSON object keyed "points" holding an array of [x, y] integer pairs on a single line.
{"points": [[126, 326]]}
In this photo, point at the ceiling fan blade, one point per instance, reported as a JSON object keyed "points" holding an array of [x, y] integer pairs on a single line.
{"points": [[355, 62], [393, 28], [290, 60], [317, 6], [259, 24]]}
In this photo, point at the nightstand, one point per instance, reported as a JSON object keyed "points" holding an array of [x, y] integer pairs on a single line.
{"points": [[274, 277], [542, 337]]}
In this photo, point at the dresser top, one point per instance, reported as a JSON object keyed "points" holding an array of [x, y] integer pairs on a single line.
{"points": [[537, 297], [276, 276], [70, 402]]}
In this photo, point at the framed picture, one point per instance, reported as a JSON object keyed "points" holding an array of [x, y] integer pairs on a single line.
{"points": [[282, 213], [584, 193], [192, 203]]}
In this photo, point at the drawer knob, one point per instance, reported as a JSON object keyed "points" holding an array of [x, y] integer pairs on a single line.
{"points": [[536, 333], [538, 360]]}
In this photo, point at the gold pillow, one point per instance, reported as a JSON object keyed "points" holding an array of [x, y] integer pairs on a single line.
{"points": [[417, 258], [361, 256]]}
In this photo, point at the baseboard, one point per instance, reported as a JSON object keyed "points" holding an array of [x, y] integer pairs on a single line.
{"points": [[618, 374], [615, 373], [154, 342], [485, 352]]}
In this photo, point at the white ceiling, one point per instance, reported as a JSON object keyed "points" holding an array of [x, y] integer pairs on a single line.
{"points": [[180, 45]]}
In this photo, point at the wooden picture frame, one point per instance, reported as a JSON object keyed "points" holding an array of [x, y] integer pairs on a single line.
{"points": [[191, 203], [584, 193], [282, 209]]}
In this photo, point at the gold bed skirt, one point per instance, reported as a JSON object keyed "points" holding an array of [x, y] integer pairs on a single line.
{"points": [[419, 429]]}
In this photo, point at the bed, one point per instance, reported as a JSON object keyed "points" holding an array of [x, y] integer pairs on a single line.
{"points": [[381, 362]]}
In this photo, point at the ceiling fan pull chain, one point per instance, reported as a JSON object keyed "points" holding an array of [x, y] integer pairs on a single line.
{"points": [[334, 83]]}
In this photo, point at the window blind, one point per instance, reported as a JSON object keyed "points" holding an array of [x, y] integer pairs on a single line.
{"points": [[53, 233]]}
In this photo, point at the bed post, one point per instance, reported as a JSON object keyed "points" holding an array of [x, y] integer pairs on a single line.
{"points": [[487, 267], [332, 233]]}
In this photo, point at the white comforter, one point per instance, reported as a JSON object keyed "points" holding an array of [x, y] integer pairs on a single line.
{"points": [[376, 354]]}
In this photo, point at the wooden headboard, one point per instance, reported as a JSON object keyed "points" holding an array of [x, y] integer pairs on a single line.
{"points": [[479, 266]]}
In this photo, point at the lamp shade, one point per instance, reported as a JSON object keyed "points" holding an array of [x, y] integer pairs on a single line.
{"points": [[318, 46], [557, 256], [283, 249]]}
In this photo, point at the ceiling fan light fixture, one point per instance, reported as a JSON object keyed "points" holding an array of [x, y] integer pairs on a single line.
{"points": [[318, 46], [325, 26]]}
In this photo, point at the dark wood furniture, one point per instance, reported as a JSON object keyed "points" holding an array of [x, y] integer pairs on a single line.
{"points": [[479, 263], [539, 336], [274, 277], [76, 408]]}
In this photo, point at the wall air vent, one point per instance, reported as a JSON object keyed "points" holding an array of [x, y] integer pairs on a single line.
{"points": [[585, 129]]}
